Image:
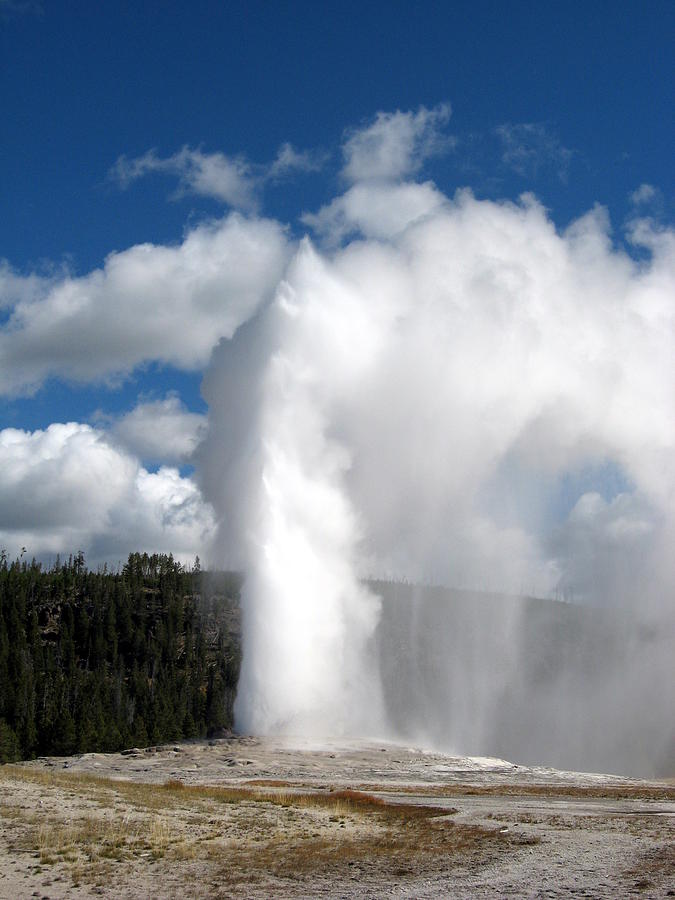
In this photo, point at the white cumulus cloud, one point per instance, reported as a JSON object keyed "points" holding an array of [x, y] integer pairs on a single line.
{"points": [[644, 194], [229, 179], [373, 210], [150, 302], [68, 488], [158, 431], [233, 180], [288, 160], [396, 144]]}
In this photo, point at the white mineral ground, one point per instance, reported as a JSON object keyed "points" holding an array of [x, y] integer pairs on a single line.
{"points": [[550, 833]]}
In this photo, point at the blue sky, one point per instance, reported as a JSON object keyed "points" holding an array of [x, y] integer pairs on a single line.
{"points": [[82, 84], [572, 102], [85, 83]]}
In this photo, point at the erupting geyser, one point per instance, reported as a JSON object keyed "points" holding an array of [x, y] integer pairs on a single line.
{"points": [[451, 390]]}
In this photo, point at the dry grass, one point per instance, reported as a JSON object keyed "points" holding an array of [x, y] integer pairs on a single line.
{"points": [[269, 782], [653, 867], [392, 850], [237, 833], [550, 791], [379, 837]]}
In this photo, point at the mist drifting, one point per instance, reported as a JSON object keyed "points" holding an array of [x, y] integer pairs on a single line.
{"points": [[451, 390]]}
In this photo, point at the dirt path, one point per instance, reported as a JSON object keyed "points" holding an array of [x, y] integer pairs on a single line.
{"points": [[243, 817]]}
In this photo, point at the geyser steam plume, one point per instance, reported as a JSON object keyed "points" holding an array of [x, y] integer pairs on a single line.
{"points": [[447, 390]]}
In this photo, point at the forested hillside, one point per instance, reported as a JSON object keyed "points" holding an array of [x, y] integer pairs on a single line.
{"points": [[99, 661]]}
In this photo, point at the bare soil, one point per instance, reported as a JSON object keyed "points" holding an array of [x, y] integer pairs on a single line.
{"points": [[247, 817]]}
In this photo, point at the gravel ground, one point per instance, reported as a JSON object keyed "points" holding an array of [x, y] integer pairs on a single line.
{"points": [[448, 827]]}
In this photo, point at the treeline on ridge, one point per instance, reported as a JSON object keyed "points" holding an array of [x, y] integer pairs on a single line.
{"points": [[100, 661]]}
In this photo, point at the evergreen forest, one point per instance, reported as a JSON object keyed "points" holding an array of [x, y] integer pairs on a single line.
{"points": [[101, 661]]}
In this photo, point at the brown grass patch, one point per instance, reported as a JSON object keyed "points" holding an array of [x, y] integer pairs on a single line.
{"points": [[269, 782], [652, 867], [239, 833], [551, 791]]}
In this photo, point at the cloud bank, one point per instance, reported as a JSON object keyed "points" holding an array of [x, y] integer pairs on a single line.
{"points": [[158, 431], [68, 488], [150, 302]]}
